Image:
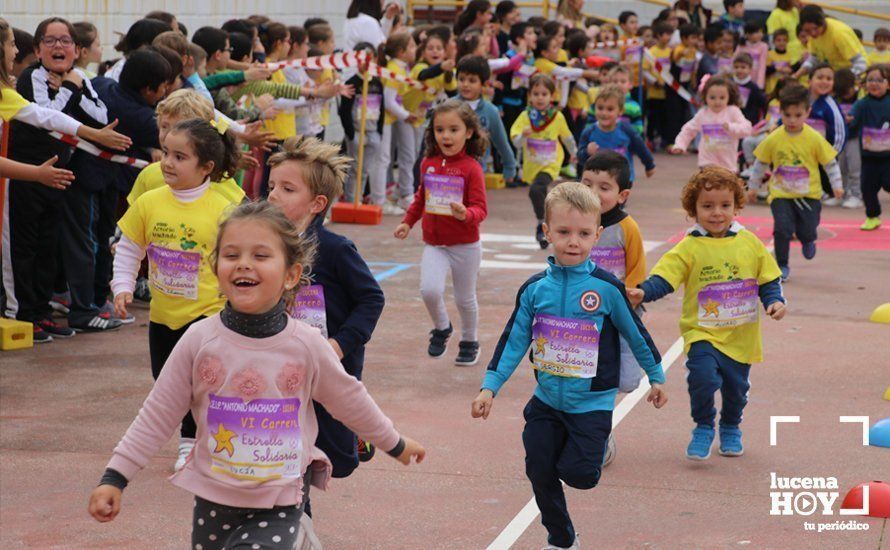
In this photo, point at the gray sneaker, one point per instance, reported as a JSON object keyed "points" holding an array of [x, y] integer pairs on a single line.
{"points": [[108, 310]]}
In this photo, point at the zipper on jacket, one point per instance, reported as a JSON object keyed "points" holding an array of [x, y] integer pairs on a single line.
{"points": [[562, 313]]}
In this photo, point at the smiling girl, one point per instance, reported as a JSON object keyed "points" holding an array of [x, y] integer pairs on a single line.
{"points": [[451, 201], [176, 227]]}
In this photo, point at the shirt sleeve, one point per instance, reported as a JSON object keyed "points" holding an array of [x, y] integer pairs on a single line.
{"points": [[689, 131], [366, 295], [132, 223], [634, 253], [11, 104], [514, 341], [477, 207], [48, 119], [674, 267], [825, 153]]}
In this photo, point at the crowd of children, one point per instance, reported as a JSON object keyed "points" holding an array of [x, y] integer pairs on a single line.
{"points": [[219, 226]]}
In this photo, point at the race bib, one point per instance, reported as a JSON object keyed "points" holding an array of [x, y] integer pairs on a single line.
{"points": [[440, 191], [876, 140], [817, 124], [774, 113], [541, 151], [374, 103], [610, 258], [174, 272], [309, 307], [256, 441], [687, 67], [565, 347], [728, 304], [745, 94], [715, 136], [724, 65], [793, 179], [846, 108], [755, 58], [779, 64]]}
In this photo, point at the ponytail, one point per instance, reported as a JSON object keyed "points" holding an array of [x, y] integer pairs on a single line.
{"points": [[211, 146], [394, 45]]}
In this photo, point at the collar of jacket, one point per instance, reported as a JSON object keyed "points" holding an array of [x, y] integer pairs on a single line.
{"points": [[698, 231], [584, 269]]}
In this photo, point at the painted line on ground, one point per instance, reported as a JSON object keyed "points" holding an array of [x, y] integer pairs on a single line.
{"points": [[394, 268], [529, 512]]}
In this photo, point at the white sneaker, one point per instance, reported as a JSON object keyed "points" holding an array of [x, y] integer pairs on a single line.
{"points": [[390, 209], [852, 203], [186, 444], [833, 201], [574, 546], [611, 451], [405, 202], [747, 172]]}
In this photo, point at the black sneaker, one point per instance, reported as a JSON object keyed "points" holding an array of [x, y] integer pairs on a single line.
{"points": [[438, 340], [41, 336], [539, 236], [365, 450], [468, 354], [142, 292], [98, 323], [54, 329]]}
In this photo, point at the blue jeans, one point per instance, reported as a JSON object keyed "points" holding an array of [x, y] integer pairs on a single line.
{"points": [[711, 370]]}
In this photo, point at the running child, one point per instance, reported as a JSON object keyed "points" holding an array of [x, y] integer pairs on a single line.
{"points": [[721, 124], [574, 304], [176, 227], [343, 300], [451, 201], [846, 93], [724, 268], [795, 152], [826, 118], [250, 362], [540, 132], [871, 116]]}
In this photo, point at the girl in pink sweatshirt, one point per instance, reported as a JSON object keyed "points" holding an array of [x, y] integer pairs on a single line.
{"points": [[721, 124], [249, 375]]}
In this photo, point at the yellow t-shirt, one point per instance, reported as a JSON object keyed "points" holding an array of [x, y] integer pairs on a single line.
{"points": [[777, 60], [721, 301], [788, 20], [402, 89], [546, 66], [542, 151], [663, 56], [876, 57], [837, 45], [327, 75], [795, 161], [11, 103], [178, 238], [284, 124], [151, 178], [418, 101], [579, 100], [630, 56], [684, 58]]}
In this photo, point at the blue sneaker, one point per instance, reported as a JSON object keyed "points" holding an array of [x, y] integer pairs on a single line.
{"points": [[809, 250], [731, 441], [786, 272], [700, 446]]}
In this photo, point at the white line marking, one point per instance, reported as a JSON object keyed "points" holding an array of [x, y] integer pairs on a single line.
{"points": [[864, 420], [497, 264], [773, 420], [529, 512], [515, 257]]}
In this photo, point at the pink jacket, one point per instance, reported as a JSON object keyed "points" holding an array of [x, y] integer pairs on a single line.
{"points": [[718, 146], [252, 402]]}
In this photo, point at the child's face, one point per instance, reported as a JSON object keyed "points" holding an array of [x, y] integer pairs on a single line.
{"points": [[794, 117], [434, 52], [451, 133], [180, 165], [299, 51], [803, 37], [715, 46], [252, 266], [608, 111], [57, 57], [780, 42], [469, 86], [715, 209], [717, 98], [93, 54], [540, 97], [483, 48], [409, 53], [606, 188], [165, 124], [876, 84], [607, 35], [530, 37], [727, 43], [552, 51], [512, 18], [560, 37], [881, 44], [631, 26], [290, 192], [741, 70], [754, 37], [328, 46], [622, 80], [663, 39], [648, 38], [822, 81], [153, 95], [9, 52], [572, 233], [812, 30], [737, 11]]}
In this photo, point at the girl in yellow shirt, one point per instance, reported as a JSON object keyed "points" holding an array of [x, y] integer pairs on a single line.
{"points": [[434, 69]]}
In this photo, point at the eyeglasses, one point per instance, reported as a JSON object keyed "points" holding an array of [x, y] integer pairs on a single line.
{"points": [[50, 41], [874, 80]]}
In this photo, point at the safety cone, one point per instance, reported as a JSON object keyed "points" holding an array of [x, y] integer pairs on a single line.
{"points": [[878, 499], [879, 434], [887, 394], [881, 314]]}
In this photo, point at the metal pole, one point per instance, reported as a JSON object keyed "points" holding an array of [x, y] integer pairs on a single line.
{"points": [[359, 176]]}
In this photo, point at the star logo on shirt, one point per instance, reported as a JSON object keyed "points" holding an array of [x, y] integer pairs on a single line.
{"points": [[540, 342], [590, 301], [711, 308], [224, 439]]}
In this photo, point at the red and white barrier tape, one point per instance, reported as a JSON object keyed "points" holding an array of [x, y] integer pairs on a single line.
{"points": [[665, 73], [88, 147], [615, 43]]}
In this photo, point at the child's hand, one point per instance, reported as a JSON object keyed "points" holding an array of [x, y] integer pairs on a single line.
{"points": [[838, 193], [111, 139], [54, 178], [264, 101], [121, 301], [657, 396], [635, 296], [346, 90], [482, 404], [527, 132], [255, 136], [497, 84], [401, 231], [412, 448], [776, 310], [448, 65], [257, 73], [726, 126], [674, 150], [105, 503], [74, 77], [752, 195], [592, 148], [411, 118], [336, 347], [459, 211], [247, 161], [650, 173], [53, 80]]}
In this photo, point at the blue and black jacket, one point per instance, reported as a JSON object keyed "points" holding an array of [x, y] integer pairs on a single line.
{"points": [[583, 292]]}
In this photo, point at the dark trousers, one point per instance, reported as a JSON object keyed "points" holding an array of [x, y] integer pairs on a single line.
{"points": [[567, 447], [656, 116], [711, 370], [875, 176], [511, 113], [105, 224], [161, 341], [337, 441], [34, 217], [79, 246], [793, 217], [676, 115], [538, 192]]}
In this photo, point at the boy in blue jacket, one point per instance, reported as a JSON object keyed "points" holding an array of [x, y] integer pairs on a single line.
{"points": [[572, 315], [344, 301], [472, 73]]}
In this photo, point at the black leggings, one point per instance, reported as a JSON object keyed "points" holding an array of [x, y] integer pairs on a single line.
{"points": [[161, 341], [538, 192], [875, 176]]}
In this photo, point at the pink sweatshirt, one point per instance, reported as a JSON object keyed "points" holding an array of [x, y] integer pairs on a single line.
{"points": [[718, 146], [252, 402]]}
